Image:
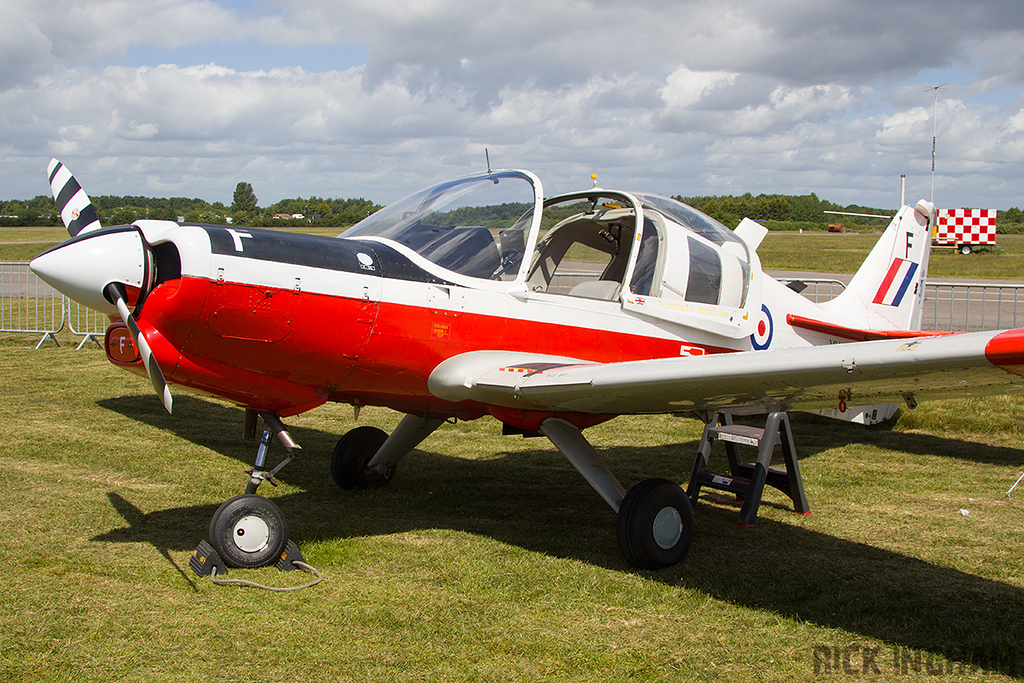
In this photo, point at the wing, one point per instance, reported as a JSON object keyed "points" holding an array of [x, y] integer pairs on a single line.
{"points": [[871, 372]]}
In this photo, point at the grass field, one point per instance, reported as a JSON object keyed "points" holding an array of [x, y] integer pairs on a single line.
{"points": [[832, 253], [488, 558]]}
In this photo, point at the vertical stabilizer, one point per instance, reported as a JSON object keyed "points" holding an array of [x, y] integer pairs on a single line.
{"points": [[888, 290]]}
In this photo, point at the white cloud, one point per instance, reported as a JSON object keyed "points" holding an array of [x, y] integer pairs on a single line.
{"points": [[684, 88], [677, 97]]}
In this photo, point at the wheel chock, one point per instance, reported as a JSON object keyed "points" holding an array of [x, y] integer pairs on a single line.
{"points": [[205, 560], [289, 557]]}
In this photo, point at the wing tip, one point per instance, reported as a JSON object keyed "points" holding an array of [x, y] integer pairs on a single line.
{"points": [[1006, 350]]}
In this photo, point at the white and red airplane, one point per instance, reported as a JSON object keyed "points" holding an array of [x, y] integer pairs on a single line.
{"points": [[457, 302]]}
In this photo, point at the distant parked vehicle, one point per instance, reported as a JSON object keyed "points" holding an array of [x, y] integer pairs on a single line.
{"points": [[964, 229]]}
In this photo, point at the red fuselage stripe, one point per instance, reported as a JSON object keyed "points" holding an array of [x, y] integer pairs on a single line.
{"points": [[347, 349]]}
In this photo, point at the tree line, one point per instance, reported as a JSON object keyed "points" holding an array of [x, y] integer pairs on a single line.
{"points": [[784, 211], [808, 208], [244, 210], [791, 211]]}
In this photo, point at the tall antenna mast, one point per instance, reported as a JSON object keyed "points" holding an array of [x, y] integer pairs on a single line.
{"points": [[935, 110], [935, 119]]}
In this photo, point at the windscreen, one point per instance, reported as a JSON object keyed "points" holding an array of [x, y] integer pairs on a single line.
{"points": [[475, 226]]}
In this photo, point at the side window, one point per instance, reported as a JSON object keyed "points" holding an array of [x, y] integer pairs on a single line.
{"points": [[705, 279], [646, 261]]}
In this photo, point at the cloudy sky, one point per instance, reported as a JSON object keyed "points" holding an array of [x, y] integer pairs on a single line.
{"points": [[377, 98]]}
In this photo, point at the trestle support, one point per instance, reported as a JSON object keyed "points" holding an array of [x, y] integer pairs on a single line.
{"points": [[747, 480]]}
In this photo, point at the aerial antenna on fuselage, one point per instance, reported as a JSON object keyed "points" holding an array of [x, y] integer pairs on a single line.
{"points": [[487, 155]]}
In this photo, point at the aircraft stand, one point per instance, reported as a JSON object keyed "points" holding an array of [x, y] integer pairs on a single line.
{"points": [[747, 480]]}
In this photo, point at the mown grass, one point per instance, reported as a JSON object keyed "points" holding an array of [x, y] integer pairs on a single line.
{"points": [[837, 253], [488, 558]]}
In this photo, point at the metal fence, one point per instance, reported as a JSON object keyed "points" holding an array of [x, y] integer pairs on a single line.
{"points": [[89, 324], [30, 306], [950, 306], [563, 281]]}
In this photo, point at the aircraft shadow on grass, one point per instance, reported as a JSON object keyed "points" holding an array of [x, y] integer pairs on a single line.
{"points": [[534, 500]]}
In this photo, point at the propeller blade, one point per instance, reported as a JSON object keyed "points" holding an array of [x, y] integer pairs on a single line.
{"points": [[156, 376], [76, 210]]}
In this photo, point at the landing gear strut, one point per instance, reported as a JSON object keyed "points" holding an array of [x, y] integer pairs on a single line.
{"points": [[655, 519]]}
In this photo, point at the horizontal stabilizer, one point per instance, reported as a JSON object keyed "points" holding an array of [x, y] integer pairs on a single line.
{"points": [[853, 333]]}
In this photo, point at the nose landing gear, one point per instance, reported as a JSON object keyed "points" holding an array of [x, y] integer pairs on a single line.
{"points": [[249, 531]]}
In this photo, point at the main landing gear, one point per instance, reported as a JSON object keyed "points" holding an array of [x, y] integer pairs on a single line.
{"points": [[655, 519], [366, 457], [249, 531]]}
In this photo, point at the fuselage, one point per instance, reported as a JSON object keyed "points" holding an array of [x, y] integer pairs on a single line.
{"points": [[283, 322]]}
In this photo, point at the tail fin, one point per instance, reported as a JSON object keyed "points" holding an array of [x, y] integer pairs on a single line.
{"points": [[888, 290], [76, 210]]}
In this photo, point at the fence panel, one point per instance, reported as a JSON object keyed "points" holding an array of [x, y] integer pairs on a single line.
{"points": [[88, 323], [970, 308], [29, 305]]}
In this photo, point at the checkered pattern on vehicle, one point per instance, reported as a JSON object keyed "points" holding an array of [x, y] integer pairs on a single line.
{"points": [[966, 226]]}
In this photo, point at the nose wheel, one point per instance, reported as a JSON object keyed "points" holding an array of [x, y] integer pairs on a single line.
{"points": [[248, 531]]}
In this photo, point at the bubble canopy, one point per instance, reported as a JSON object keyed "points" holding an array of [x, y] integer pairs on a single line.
{"points": [[488, 226]]}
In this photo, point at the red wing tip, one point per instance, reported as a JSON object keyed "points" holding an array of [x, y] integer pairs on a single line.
{"points": [[1006, 350]]}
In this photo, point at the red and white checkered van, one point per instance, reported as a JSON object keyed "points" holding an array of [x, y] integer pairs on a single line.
{"points": [[965, 228]]}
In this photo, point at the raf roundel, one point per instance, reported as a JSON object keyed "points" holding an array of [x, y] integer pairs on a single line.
{"points": [[762, 337]]}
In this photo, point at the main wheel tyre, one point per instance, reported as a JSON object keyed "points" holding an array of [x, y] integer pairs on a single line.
{"points": [[351, 454], [655, 524], [248, 531]]}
